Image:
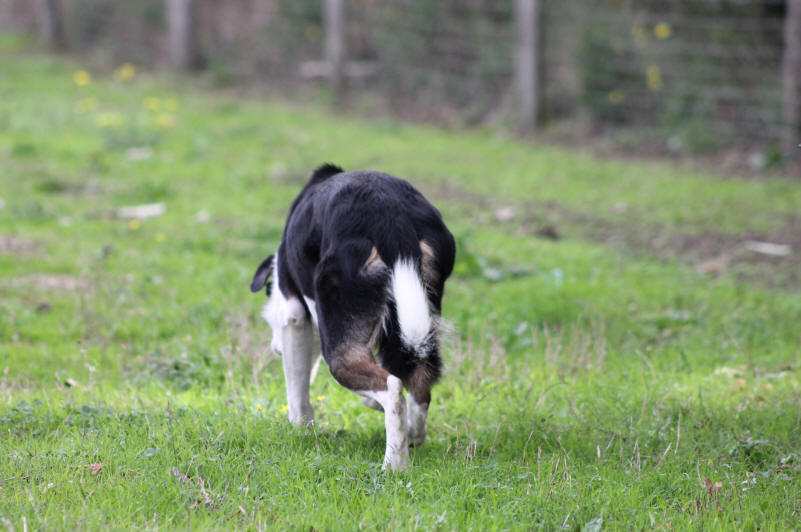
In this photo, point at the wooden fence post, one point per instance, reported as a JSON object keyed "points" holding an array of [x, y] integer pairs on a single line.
{"points": [[334, 17], [791, 82], [527, 64], [181, 20], [51, 24]]}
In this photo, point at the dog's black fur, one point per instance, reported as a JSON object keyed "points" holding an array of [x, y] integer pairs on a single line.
{"points": [[332, 228]]}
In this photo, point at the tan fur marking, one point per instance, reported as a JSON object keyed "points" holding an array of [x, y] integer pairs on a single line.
{"points": [[373, 261], [427, 263]]}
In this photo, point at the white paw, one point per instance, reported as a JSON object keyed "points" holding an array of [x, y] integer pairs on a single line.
{"points": [[303, 418], [396, 460]]}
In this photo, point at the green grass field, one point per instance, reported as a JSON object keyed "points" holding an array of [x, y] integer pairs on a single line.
{"points": [[607, 379]]}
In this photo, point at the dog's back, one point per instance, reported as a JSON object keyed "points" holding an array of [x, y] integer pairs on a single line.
{"points": [[368, 256]]}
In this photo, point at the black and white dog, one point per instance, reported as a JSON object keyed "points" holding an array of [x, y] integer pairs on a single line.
{"points": [[363, 260]]}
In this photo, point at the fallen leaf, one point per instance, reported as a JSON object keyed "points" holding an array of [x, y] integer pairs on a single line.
{"points": [[768, 248], [712, 487], [140, 212], [717, 265], [505, 214]]}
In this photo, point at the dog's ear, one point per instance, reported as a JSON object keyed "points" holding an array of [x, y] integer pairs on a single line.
{"points": [[263, 273]]}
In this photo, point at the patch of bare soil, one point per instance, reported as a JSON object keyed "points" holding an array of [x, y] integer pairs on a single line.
{"points": [[772, 258], [17, 246], [51, 282]]}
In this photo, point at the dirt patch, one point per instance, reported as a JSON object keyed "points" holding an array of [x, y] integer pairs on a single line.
{"points": [[17, 246], [710, 252], [51, 282]]}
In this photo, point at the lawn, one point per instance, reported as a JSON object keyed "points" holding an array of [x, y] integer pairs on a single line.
{"points": [[618, 359]]}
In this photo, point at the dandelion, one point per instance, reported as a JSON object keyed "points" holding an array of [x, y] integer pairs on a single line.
{"points": [[615, 96], [160, 238], [125, 72], [152, 103], [82, 78], [638, 33], [662, 31], [171, 104], [312, 33], [109, 119], [164, 121], [653, 75], [85, 105], [285, 408], [134, 224], [258, 406]]}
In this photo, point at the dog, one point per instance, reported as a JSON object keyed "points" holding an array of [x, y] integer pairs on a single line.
{"points": [[362, 262]]}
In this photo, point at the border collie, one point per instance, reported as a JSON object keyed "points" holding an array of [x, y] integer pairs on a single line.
{"points": [[363, 261]]}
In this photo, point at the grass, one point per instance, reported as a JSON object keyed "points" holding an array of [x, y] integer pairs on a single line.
{"points": [[588, 386]]}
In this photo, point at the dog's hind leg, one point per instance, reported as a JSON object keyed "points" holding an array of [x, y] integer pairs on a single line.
{"points": [[298, 341], [419, 384], [355, 368]]}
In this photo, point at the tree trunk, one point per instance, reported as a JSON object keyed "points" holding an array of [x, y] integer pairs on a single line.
{"points": [[791, 82], [334, 12], [51, 24], [527, 65], [183, 46]]}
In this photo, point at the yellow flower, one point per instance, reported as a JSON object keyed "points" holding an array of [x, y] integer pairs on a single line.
{"points": [[85, 105], [285, 408], [109, 119], [321, 398], [161, 237], [82, 78], [638, 33], [152, 103], [615, 96], [653, 76], [170, 104], [662, 31], [125, 72], [164, 121], [258, 406], [312, 33], [133, 225]]}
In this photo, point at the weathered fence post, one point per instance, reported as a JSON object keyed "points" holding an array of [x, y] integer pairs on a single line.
{"points": [[182, 42], [334, 17], [527, 65], [51, 24], [791, 82]]}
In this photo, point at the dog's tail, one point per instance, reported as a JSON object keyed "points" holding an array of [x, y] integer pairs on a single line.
{"points": [[411, 304]]}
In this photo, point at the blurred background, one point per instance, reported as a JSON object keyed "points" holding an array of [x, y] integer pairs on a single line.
{"points": [[714, 80]]}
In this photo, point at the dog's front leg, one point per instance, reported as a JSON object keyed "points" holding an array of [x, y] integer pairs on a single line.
{"points": [[396, 456], [353, 367], [298, 340], [391, 401]]}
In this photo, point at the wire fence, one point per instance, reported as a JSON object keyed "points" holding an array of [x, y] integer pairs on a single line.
{"points": [[689, 75]]}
